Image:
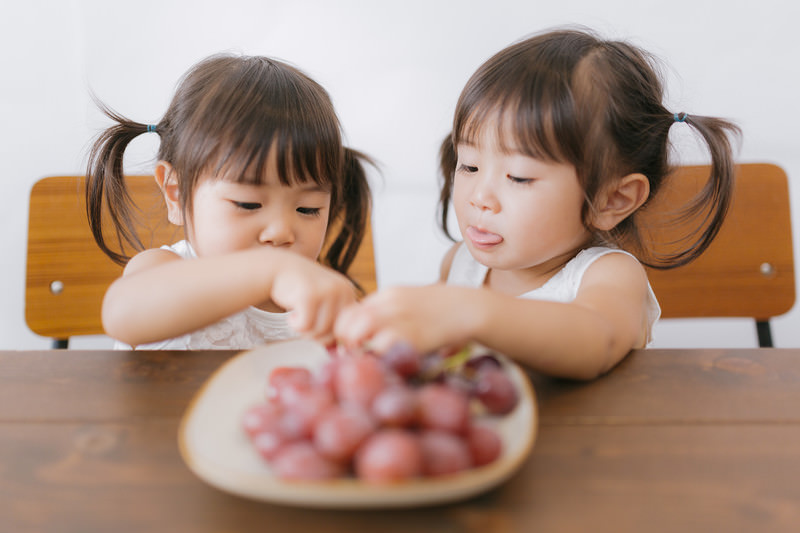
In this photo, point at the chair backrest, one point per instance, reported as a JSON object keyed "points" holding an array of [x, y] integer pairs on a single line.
{"points": [[748, 271], [67, 274]]}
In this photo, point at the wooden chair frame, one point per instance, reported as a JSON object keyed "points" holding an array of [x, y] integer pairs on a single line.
{"points": [[748, 271], [67, 274]]}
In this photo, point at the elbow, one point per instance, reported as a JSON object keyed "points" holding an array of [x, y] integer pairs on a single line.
{"points": [[608, 354], [611, 353], [587, 374], [117, 321], [114, 324]]}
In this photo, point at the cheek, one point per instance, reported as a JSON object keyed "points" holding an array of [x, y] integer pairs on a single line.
{"points": [[311, 238], [213, 233], [459, 196]]}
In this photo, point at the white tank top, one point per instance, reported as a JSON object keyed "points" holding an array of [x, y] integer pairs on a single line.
{"points": [[242, 331], [562, 287]]}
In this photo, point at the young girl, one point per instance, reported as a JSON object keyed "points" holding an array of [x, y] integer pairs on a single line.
{"points": [[251, 164], [557, 142]]}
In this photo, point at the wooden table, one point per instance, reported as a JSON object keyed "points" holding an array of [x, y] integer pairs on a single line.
{"points": [[671, 440]]}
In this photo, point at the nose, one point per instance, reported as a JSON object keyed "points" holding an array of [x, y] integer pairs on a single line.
{"points": [[277, 231], [483, 195]]}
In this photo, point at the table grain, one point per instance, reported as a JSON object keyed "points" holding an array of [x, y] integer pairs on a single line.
{"points": [[670, 440]]}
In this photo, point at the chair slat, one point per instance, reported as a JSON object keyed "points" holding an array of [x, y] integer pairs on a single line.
{"points": [[748, 271]]}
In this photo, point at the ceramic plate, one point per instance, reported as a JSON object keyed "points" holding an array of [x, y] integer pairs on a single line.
{"points": [[216, 448]]}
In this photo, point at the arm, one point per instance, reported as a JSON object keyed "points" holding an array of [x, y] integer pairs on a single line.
{"points": [[161, 295], [581, 339]]}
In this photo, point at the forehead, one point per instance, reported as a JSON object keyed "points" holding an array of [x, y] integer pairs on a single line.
{"points": [[492, 132]]}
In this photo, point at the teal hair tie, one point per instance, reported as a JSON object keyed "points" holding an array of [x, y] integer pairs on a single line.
{"points": [[680, 117], [151, 127]]}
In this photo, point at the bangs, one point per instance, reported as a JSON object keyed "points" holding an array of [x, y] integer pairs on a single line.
{"points": [[247, 161], [529, 131], [246, 107], [526, 94]]}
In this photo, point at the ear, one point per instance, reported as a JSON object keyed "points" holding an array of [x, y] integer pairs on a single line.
{"points": [[615, 204], [167, 181]]}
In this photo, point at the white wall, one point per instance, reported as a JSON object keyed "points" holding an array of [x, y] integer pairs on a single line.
{"points": [[394, 71]]}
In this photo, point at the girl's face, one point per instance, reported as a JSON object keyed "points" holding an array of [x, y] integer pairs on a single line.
{"points": [[229, 216], [516, 212]]}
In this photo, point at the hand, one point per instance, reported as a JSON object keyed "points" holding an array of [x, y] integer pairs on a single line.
{"points": [[427, 318], [314, 294]]}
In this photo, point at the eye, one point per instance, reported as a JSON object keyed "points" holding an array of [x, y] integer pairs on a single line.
{"points": [[247, 206], [311, 211], [469, 169], [515, 179]]}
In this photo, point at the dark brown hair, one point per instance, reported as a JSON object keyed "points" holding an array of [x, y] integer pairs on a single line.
{"points": [[594, 104], [226, 115]]}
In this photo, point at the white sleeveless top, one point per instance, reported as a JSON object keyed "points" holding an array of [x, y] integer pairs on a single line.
{"points": [[562, 287], [241, 331]]}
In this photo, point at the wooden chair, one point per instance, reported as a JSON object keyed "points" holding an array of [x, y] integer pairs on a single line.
{"points": [[67, 274], [748, 271]]}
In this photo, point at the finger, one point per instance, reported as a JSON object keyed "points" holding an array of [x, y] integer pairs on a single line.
{"points": [[327, 312], [298, 320], [385, 338], [325, 340], [324, 319], [354, 326]]}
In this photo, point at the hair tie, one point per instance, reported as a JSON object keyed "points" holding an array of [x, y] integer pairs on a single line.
{"points": [[680, 117], [151, 127]]}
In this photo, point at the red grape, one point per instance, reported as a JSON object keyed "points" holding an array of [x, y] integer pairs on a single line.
{"points": [[442, 407], [359, 379], [341, 430], [495, 390], [268, 443], [274, 434], [258, 417], [301, 461], [287, 377], [403, 359], [484, 444], [390, 455], [326, 377], [305, 409], [396, 406], [443, 453]]}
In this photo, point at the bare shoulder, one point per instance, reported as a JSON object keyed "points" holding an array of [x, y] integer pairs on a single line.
{"points": [[447, 261], [149, 259], [616, 269]]}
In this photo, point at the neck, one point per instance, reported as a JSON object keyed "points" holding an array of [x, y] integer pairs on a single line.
{"points": [[520, 281]]}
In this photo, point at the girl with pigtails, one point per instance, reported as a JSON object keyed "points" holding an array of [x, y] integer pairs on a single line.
{"points": [[559, 142], [251, 164]]}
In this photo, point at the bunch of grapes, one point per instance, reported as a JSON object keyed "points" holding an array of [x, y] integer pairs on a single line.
{"points": [[381, 419]]}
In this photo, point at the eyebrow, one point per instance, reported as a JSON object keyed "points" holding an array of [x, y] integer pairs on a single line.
{"points": [[504, 149], [306, 186], [313, 187]]}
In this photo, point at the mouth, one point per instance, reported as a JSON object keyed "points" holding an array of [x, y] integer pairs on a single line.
{"points": [[482, 238]]}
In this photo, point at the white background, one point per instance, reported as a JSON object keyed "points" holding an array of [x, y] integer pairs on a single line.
{"points": [[394, 70]]}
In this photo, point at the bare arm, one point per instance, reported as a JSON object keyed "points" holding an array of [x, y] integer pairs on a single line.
{"points": [[580, 340], [161, 295]]}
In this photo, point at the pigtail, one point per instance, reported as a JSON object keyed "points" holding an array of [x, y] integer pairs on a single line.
{"points": [[447, 169], [106, 191], [711, 204], [353, 213]]}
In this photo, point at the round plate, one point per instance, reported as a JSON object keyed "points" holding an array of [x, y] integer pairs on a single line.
{"points": [[216, 448]]}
